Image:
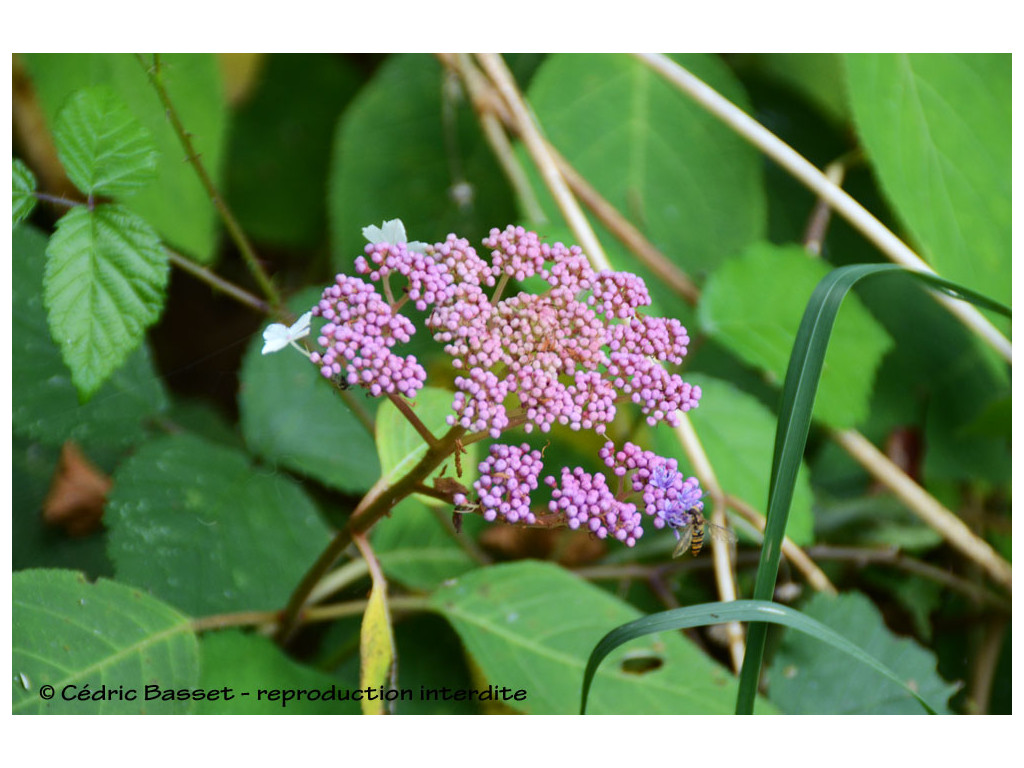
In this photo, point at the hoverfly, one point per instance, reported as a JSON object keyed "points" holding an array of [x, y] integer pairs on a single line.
{"points": [[692, 536]]}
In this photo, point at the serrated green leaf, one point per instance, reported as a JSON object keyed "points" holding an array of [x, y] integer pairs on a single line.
{"points": [[78, 637], [105, 278], [937, 131], [196, 524], [104, 148], [738, 434], [176, 204], [45, 403], [531, 625], [753, 305], [414, 549], [400, 447], [692, 187], [250, 663], [395, 166], [23, 185], [290, 413], [807, 677]]}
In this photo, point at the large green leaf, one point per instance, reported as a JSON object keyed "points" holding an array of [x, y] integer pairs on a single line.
{"points": [[741, 610], [23, 185], [104, 285], [393, 158], [104, 638], [753, 305], [937, 131], [290, 413], [253, 665], [692, 187], [738, 434], [45, 402], [199, 526], [530, 626], [175, 203], [104, 148], [807, 677]]}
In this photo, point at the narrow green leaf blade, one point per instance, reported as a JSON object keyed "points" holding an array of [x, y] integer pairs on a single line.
{"points": [[720, 613], [197, 525], [105, 279], [802, 377], [376, 648], [104, 148], [77, 637], [937, 131], [23, 185]]}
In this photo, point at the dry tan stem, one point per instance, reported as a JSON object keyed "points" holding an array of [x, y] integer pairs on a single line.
{"points": [[724, 576], [922, 504], [530, 133], [751, 130]]}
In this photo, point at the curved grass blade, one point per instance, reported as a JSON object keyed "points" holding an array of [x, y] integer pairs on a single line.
{"points": [[801, 385], [759, 611]]}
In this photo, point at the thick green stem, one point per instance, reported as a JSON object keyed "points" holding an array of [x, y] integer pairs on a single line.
{"points": [[378, 502]]}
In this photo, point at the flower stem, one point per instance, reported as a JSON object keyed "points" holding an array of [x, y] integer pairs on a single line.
{"points": [[378, 501], [406, 410], [154, 73]]}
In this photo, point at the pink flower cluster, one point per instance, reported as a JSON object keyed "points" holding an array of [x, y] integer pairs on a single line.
{"points": [[360, 331], [584, 501]]}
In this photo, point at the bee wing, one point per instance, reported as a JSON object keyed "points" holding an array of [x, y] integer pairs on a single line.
{"points": [[718, 533], [684, 542]]}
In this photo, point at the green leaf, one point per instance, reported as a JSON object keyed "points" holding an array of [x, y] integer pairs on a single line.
{"points": [[104, 285], [738, 610], [807, 677], [737, 433], [937, 131], [175, 204], [400, 447], [79, 637], [694, 188], [23, 186], [250, 663], [290, 413], [45, 402], [414, 548], [389, 161], [199, 526], [753, 304], [531, 625], [104, 148]]}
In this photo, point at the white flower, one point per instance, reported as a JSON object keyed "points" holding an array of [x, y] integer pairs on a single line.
{"points": [[277, 336], [392, 232]]}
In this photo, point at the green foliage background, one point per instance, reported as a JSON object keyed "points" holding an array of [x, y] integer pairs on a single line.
{"points": [[230, 469]]}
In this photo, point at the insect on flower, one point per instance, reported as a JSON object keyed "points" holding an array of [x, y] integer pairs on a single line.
{"points": [[692, 536]]}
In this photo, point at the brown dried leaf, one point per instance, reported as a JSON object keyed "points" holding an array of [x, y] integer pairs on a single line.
{"points": [[77, 493]]}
